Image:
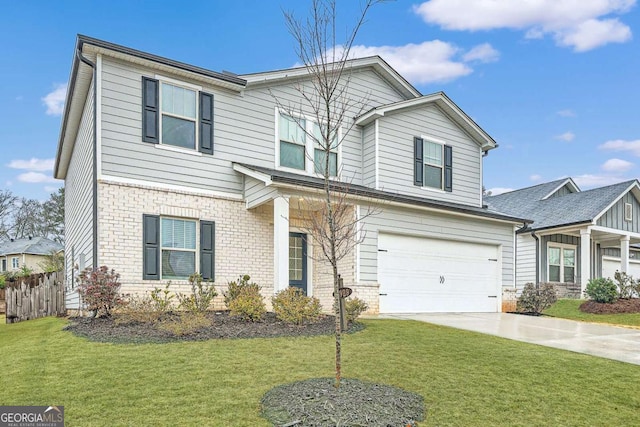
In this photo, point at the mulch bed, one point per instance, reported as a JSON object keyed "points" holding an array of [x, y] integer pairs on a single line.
{"points": [[223, 326], [631, 305], [316, 402]]}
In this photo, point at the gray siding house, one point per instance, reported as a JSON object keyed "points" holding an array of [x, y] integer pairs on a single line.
{"points": [[575, 235], [171, 168]]}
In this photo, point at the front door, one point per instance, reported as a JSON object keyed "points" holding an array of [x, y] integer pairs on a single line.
{"points": [[298, 261]]}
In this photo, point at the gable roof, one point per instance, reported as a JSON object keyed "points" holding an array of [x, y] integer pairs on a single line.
{"points": [[574, 208], [446, 104], [32, 246], [379, 65], [282, 178]]}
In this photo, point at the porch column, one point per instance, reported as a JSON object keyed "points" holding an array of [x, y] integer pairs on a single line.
{"points": [[624, 253], [280, 243], [585, 258]]}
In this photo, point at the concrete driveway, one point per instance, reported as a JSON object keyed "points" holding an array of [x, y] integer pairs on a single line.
{"points": [[611, 342]]}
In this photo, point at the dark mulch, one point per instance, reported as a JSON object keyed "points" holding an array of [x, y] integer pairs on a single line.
{"points": [[222, 325], [631, 305], [316, 402]]}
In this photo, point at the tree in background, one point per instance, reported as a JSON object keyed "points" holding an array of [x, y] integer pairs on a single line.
{"points": [[22, 217]]}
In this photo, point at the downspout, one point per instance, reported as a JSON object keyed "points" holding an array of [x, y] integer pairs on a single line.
{"points": [[95, 157], [533, 234]]}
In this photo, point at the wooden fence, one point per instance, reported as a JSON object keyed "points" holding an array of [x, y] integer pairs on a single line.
{"points": [[39, 295]]}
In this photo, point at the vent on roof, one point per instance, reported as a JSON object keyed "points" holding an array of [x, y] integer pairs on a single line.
{"points": [[628, 212], [13, 240], [29, 237]]}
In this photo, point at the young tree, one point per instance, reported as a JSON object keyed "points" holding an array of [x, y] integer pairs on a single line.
{"points": [[53, 216], [326, 97], [7, 206]]}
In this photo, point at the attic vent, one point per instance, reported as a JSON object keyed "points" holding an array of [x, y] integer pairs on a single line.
{"points": [[628, 212]]}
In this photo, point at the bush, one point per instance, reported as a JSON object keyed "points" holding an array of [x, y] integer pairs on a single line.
{"points": [[161, 298], [137, 309], [2, 281], [201, 295], [293, 306], [248, 304], [237, 286], [99, 289], [354, 307], [536, 299], [626, 285], [185, 324], [602, 290]]}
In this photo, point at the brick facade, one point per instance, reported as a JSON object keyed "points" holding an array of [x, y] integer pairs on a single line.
{"points": [[244, 241]]}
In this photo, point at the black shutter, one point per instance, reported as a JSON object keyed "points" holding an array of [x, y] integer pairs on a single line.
{"points": [[418, 162], [151, 247], [207, 249], [150, 110], [448, 168], [206, 123]]}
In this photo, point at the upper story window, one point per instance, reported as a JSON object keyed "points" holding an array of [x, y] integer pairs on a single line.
{"points": [[178, 115], [300, 148], [433, 164], [561, 264], [15, 263]]}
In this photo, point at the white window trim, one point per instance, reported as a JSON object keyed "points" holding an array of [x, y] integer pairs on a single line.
{"points": [[562, 246], [15, 262], [196, 250], [628, 207], [424, 164], [309, 147], [163, 79]]}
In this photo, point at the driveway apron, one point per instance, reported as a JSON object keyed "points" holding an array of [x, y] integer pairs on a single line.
{"points": [[611, 342]]}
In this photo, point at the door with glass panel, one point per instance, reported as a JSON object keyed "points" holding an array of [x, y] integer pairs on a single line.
{"points": [[298, 261]]}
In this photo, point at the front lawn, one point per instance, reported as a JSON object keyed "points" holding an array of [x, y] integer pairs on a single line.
{"points": [[569, 309], [467, 379]]}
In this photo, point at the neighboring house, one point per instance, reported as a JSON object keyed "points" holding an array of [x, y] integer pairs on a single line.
{"points": [[32, 251], [575, 235], [170, 168]]}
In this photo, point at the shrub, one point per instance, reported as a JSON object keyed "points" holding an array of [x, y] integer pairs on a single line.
{"points": [[185, 324], [293, 306], [626, 284], [201, 295], [161, 298], [536, 299], [99, 288], [248, 304], [137, 309], [602, 290], [2, 281], [24, 271], [354, 307], [237, 286]]}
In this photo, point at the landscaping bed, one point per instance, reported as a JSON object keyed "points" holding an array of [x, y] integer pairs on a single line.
{"points": [[629, 305], [219, 325]]}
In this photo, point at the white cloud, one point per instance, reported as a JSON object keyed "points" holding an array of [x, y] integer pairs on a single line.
{"points": [[587, 181], [54, 101], [580, 24], [567, 137], [535, 178], [617, 166], [483, 53], [35, 177], [432, 61], [622, 145], [32, 164], [499, 190], [566, 113], [9, 183]]}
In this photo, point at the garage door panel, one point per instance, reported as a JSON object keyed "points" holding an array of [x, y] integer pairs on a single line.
{"points": [[429, 275], [610, 265]]}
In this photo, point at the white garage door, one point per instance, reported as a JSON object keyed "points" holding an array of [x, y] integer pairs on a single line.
{"points": [[418, 274], [610, 265]]}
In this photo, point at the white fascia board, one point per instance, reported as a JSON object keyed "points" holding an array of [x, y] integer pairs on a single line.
{"points": [[562, 184], [636, 192], [266, 179]]}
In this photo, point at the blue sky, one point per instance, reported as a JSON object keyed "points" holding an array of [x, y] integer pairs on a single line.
{"points": [[555, 82]]}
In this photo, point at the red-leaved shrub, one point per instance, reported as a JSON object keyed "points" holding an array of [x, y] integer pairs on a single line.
{"points": [[99, 289]]}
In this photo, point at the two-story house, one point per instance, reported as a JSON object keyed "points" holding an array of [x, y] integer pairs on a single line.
{"points": [[170, 168]]}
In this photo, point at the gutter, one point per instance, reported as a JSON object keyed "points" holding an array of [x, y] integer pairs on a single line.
{"points": [[94, 189]]}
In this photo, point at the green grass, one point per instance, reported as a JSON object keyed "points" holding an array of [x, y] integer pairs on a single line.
{"points": [[569, 309], [467, 379]]}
